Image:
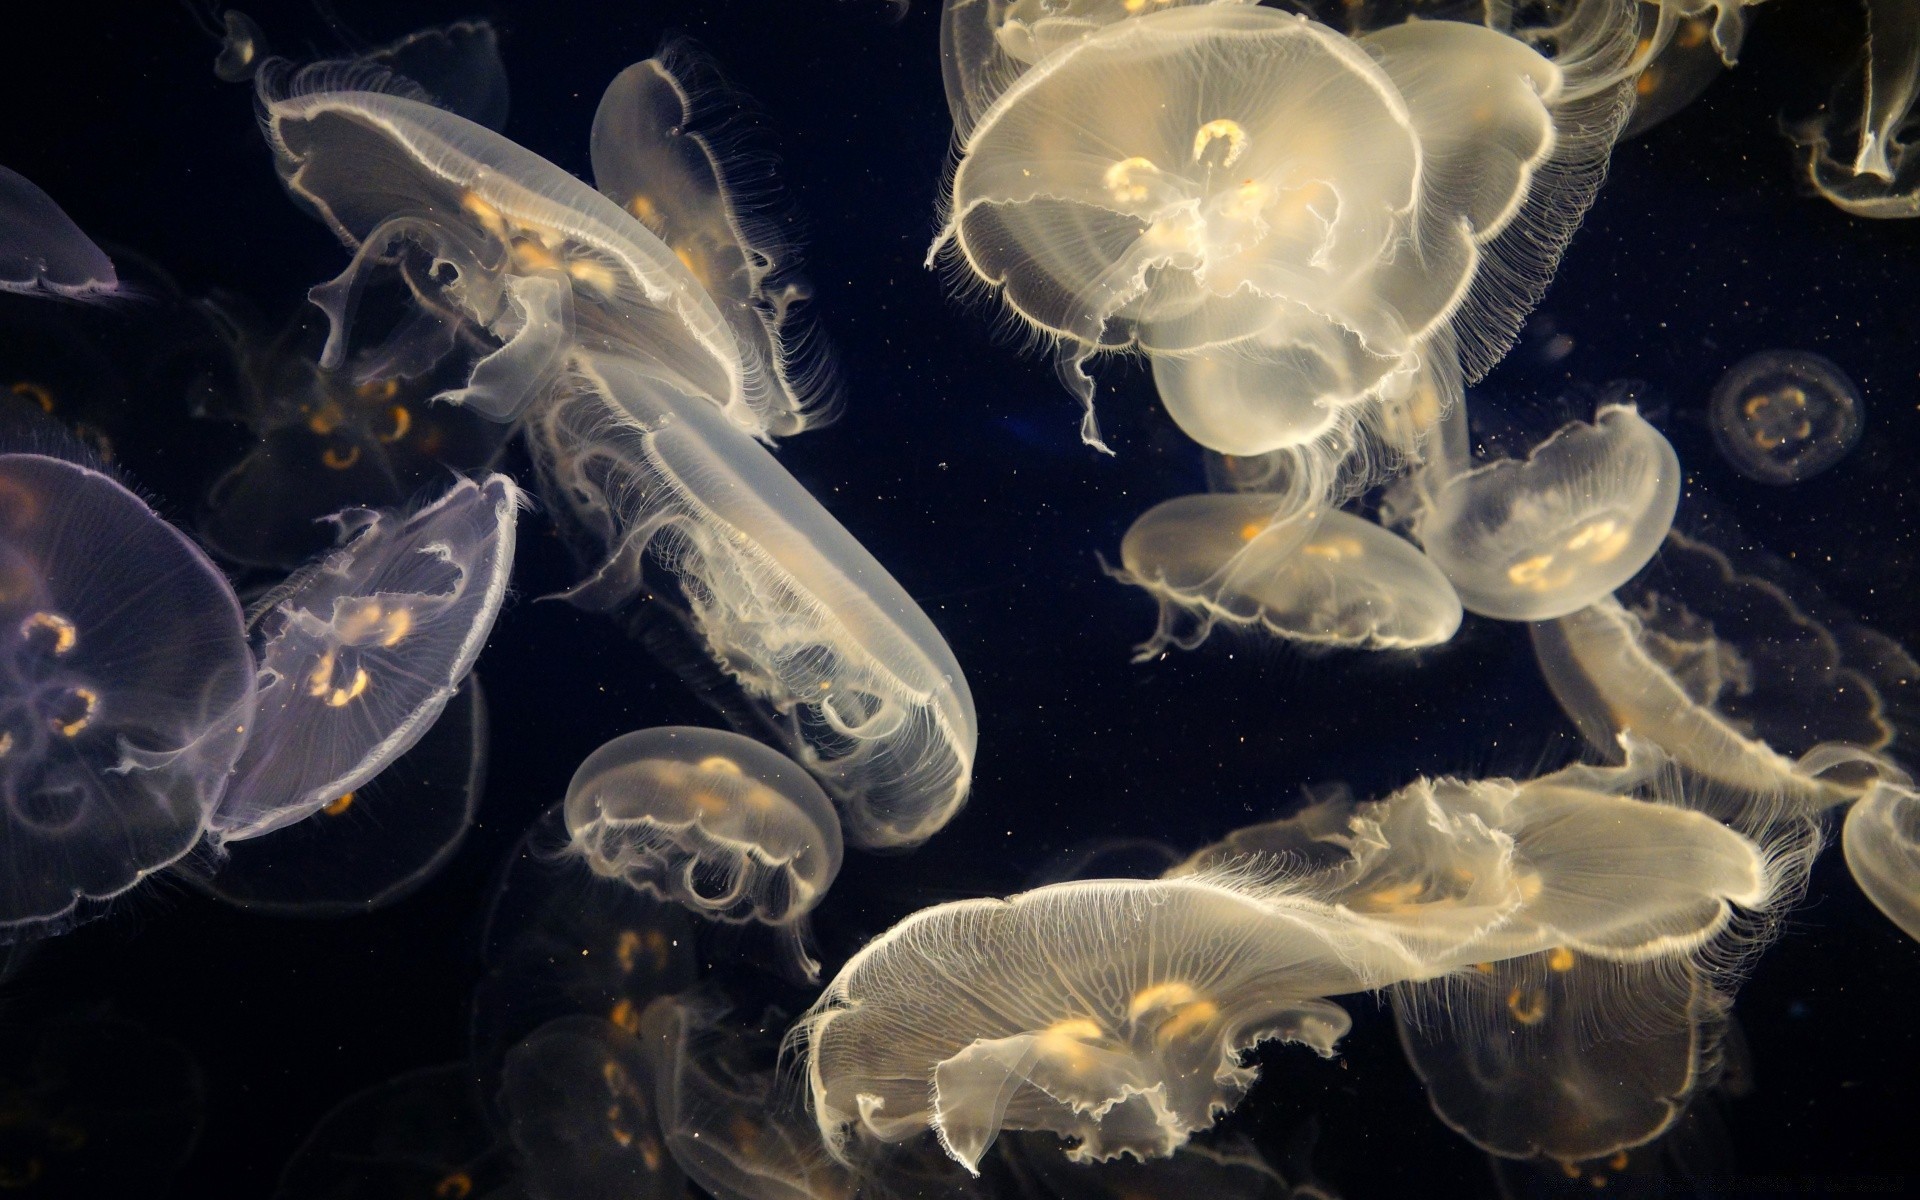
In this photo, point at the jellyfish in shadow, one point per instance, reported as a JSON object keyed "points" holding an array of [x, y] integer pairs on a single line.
{"points": [[1536, 538], [422, 1133], [126, 691], [1285, 220], [359, 653], [1857, 151], [712, 821], [1881, 838], [1782, 416], [42, 251]]}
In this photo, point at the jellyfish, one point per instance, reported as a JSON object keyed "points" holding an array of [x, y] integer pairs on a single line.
{"points": [[1881, 839], [654, 156], [578, 1094], [1227, 1169], [422, 1133], [380, 842], [42, 251], [1872, 114], [1534, 539], [711, 820], [1676, 73], [242, 47], [1785, 415], [360, 652], [1727, 674], [858, 684], [1320, 577], [126, 690], [1284, 220]]}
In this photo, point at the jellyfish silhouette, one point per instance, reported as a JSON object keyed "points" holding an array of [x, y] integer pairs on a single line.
{"points": [[126, 690], [711, 820], [41, 249]]}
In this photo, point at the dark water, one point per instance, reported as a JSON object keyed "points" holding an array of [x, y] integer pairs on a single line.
{"points": [[958, 465]]}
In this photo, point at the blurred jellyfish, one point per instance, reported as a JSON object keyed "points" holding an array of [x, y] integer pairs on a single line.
{"points": [[1285, 220], [1229, 1171], [378, 843], [859, 685], [418, 1134], [1882, 843], [1111, 1012], [126, 690], [578, 1096], [42, 251], [562, 941], [1676, 74], [1856, 151], [1533, 539], [654, 156], [360, 652], [1321, 577], [325, 442], [712, 821], [1785, 415], [728, 1122], [242, 47], [1729, 676]]}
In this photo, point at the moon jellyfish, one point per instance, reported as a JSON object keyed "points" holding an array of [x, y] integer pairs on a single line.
{"points": [[862, 688], [1226, 1170], [1882, 843], [360, 652], [1321, 577], [578, 1095], [1285, 220], [377, 844], [711, 820], [1111, 1012], [419, 1134], [242, 47], [1857, 151], [1785, 415], [126, 690], [42, 251], [1533, 539], [652, 158], [1676, 73]]}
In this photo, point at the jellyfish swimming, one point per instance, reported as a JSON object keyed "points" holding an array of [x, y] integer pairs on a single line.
{"points": [[423, 1132], [1857, 151], [360, 652], [1782, 416], [1283, 219], [126, 690], [42, 251], [1320, 577], [711, 820], [1536, 538], [1881, 839]]}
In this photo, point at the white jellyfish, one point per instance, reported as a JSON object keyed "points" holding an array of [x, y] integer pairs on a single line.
{"points": [[1533, 539], [711, 820], [1858, 151], [42, 251], [1882, 843], [360, 652], [126, 691]]}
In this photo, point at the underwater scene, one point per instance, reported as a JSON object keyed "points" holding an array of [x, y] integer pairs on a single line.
{"points": [[957, 599]]}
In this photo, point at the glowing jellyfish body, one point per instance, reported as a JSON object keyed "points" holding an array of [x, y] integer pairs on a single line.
{"points": [[126, 689], [1857, 151], [1112, 1012], [1533, 539], [1321, 577], [711, 820], [1882, 843], [862, 687], [1785, 415], [1279, 216], [42, 250], [361, 652]]}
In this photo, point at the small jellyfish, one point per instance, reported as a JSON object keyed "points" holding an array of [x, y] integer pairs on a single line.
{"points": [[242, 47], [422, 1133], [1676, 73], [578, 1096], [1882, 843], [126, 690], [42, 251], [1533, 539], [1782, 416], [1321, 577], [857, 682], [711, 820], [360, 652]]}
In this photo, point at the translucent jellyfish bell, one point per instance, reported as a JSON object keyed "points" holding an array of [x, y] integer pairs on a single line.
{"points": [[857, 681], [1785, 415], [1882, 843], [1858, 151], [1317, 576], [41, 249], [1533, 539], [712, 820], [361, 652], [420, 1133], [126, 689]]}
